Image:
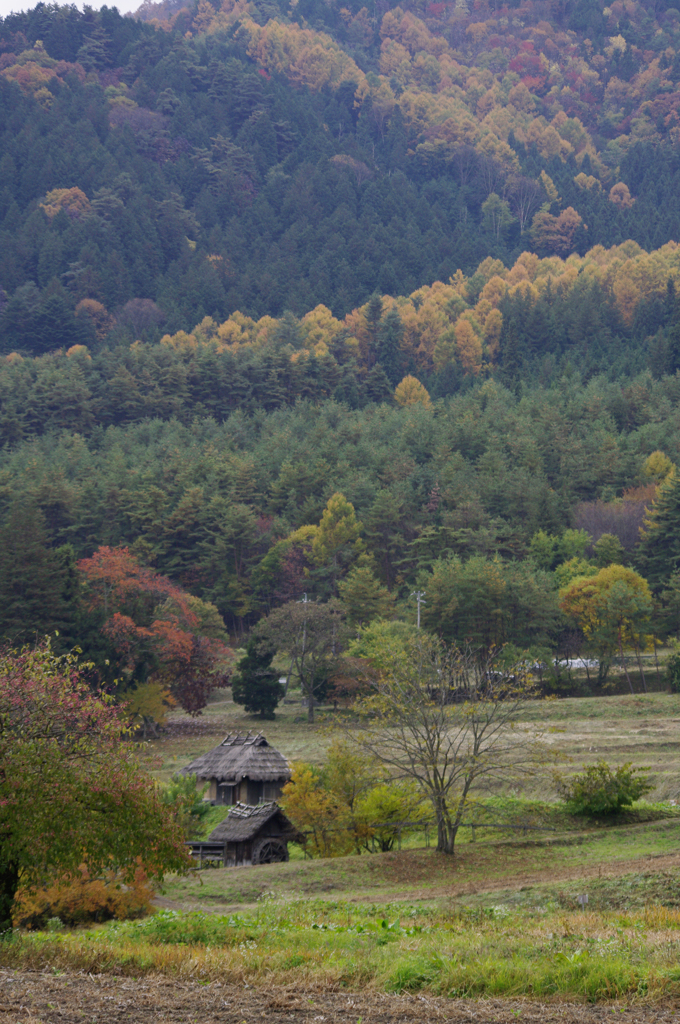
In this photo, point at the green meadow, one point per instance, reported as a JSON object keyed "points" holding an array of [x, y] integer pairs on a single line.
{"points": [[500, 918]]}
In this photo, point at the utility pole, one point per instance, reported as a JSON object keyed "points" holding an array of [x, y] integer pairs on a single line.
{"points": [[420, 599], [305, 601]]}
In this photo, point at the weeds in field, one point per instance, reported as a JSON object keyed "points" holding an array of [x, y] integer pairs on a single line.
{"points": [[496, 952]]}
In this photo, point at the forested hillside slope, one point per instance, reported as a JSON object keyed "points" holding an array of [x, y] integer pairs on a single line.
{"points": [[263, 267], [267, 158]]}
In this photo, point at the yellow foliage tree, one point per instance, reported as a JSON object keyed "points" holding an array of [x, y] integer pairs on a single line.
{"points": [[588, 182], [493, 326], [317, 813], [613, 609], [338, 530], [469, 346], [102, 320], [411, 392], [319, 328], [72, 201], [148, 707], [549, 186], [658, 467], [620, 196]]}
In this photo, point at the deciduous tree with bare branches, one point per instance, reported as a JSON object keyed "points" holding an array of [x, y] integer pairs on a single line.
{"points": [[446, 719]]}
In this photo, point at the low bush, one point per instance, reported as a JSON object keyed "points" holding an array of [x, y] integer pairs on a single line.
{"points": [[673, 672], [182, 794], [600, 789], [83, 900]]}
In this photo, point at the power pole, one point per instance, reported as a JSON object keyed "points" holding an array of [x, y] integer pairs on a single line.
{"points": [[420, 599], [305, 601]]}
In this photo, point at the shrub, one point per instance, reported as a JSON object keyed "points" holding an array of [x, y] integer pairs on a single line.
{"points": [[600, 789], [673, 672], [190, 808], [73, 901]]}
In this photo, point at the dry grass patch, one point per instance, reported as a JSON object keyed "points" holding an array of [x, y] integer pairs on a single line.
{"points": [[43, 998]]}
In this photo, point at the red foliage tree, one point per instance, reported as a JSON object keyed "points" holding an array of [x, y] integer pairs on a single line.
{"points": [[154, 627]]}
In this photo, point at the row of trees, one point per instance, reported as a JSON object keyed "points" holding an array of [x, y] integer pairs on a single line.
{"points": [[525, 323], [474, 496], [594, 606]]}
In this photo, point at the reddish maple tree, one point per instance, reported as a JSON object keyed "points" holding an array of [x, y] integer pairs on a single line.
{"points": [[154, 627]]}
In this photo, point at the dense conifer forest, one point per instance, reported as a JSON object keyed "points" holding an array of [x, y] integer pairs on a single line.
{"points": [[345, 301]]}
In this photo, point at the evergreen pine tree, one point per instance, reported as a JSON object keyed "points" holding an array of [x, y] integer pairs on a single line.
{"points": [[378, 386], [94, 53], [672, 329], [364, 597], [390, 358], [659, 553], [32, 577], [256, 684], [374, 310]]}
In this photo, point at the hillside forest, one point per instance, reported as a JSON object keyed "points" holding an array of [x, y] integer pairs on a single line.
{"points": [[301, 300]]}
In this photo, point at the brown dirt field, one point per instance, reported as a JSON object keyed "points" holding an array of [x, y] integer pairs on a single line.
{"points": [[38, 998]]}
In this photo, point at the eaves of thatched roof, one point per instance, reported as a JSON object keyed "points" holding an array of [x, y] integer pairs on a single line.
{"points": [[240, 757], [244, 822]]}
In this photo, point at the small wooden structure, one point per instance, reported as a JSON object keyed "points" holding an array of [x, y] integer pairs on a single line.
{"points": [[243, 769], [248, 835]]}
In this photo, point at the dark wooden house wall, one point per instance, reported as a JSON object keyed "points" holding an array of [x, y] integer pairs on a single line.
{"points": [[248, 792]]}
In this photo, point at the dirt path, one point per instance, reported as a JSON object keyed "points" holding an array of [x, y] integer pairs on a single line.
{"points": [[32, 998]]}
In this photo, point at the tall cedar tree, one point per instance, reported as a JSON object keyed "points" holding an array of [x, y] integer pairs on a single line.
{"points": [[33, 578]]}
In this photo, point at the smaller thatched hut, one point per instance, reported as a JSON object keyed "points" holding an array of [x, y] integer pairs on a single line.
{"points": [[241, 768], [248, 835]]}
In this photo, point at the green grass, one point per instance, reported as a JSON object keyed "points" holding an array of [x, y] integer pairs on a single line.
{"points": [[425, 875], [541, 951], [202, 827], [499, 918]]}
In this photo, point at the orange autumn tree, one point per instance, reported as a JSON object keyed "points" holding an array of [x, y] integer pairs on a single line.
{"points": [[157, 630]]}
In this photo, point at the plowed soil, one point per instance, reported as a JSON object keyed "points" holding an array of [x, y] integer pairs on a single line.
{"points": [[35, 998]]}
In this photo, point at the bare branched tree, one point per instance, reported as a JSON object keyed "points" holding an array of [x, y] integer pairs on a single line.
{"points": [[491, 173], [525, 198], [464, 160], [446, 719]]}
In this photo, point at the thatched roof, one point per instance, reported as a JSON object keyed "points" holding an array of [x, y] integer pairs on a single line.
{"points": [[240, 757], [244, 822]]}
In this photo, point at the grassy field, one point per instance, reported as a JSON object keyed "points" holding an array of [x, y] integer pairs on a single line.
{"points": [[342, 926], [500, 919], [644, 728]]}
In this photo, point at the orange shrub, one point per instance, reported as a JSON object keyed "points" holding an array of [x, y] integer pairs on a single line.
{"points": [[83, 900]]}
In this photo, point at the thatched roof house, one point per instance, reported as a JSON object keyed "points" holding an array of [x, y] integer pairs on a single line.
{"points": [[242, 768], [249, 835]]}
